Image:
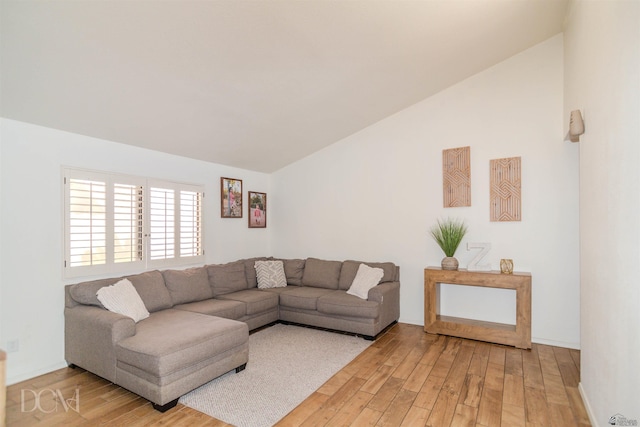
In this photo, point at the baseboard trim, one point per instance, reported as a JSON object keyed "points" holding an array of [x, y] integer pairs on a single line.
{"points": [[587, 406], [412, 322], [573, 345], [14, 379]]}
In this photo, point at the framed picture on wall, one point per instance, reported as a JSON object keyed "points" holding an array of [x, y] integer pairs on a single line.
{"points": [[230, 198], [257, 210]]}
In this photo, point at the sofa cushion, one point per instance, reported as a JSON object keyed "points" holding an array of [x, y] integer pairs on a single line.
{"points": [[256, 301], [171, 340], [188, 285], [228, 309], [320, 273], [270, 274], [339, 303], [294, 270], [122, 298], [150, 285], [227, 278], [250, 270], [279, 290], [366, 278], [85, 292], [303, 297], [350, 269]]}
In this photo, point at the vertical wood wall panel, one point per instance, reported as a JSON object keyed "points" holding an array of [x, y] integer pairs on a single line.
{"points": [[456, 177], [505, 203]]}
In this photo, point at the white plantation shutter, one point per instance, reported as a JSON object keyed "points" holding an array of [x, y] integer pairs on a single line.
{"points": [[190, 223], [175, 224], [128, 243], [161, 223], [87, 220], [117, 223]]}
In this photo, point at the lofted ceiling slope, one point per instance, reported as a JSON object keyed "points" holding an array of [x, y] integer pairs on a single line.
{"points": [[251, 84]]}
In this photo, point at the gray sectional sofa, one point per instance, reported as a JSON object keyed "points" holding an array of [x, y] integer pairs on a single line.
{"points": [[200, 320]]}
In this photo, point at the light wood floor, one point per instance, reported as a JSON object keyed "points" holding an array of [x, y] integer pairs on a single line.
{"points": [[406, 378]]}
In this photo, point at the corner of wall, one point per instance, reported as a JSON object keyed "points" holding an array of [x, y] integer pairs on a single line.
{"points": [[587, 406]]}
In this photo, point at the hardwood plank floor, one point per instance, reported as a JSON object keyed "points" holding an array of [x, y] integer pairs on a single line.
{"points": [[405, 378]]}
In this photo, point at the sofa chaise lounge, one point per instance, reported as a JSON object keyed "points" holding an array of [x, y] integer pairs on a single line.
{"points": [[199, 320]]}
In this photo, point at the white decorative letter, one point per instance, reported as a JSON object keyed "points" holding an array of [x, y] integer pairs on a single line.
{"points": [[473, 264]]}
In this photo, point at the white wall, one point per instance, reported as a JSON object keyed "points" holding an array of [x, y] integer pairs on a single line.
{"points": [[31, 281], [2, 343], [374, 195], [602, 75]]}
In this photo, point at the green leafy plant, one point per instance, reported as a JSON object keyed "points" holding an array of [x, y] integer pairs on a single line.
{"points": [[448, 233]]}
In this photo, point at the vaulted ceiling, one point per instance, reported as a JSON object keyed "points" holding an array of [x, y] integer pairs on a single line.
{"points": [[250, 84]]}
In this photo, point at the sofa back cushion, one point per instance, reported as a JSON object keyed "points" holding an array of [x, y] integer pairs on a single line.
{"points": [[85, 292], [350, 269], [151, 288], [149, 285], [320, 273], [188, 285], [227, 278], [250, 270], [294, 270]]}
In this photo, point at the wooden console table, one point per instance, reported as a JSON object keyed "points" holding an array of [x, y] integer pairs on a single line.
{"points": [[518, 335]]}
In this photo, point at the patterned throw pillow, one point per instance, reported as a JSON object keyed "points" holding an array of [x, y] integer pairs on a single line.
{"points": [[123, 298], [270, 274], [366, 278]]}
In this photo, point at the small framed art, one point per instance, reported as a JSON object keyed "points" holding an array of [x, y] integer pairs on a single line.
{"points": [[257, 210], [230, 198]]}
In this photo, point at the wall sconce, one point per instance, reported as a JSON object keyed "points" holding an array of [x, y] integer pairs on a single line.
{"points": [[576, 126]]}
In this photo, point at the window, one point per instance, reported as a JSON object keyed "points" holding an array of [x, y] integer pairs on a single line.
{"points": [[162, 223], [128, 223], [87, 222], [190, 223], [115, 223]]}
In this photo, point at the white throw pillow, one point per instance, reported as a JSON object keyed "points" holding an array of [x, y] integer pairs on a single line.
{"points": [[270, 274], [366, 278], [123, 298]]}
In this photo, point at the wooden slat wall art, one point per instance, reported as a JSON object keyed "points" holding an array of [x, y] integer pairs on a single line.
{"points": [[506, 200], [456, 177]]}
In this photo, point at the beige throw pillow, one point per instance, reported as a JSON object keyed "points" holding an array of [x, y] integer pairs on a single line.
{"points": [[270, 274], [123, 298], [366, 278]]}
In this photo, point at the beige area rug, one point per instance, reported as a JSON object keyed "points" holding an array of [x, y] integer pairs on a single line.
{"points": [[286, 365]]}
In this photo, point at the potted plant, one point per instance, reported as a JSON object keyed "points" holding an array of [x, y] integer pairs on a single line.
{"points": [[448, 233]]}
